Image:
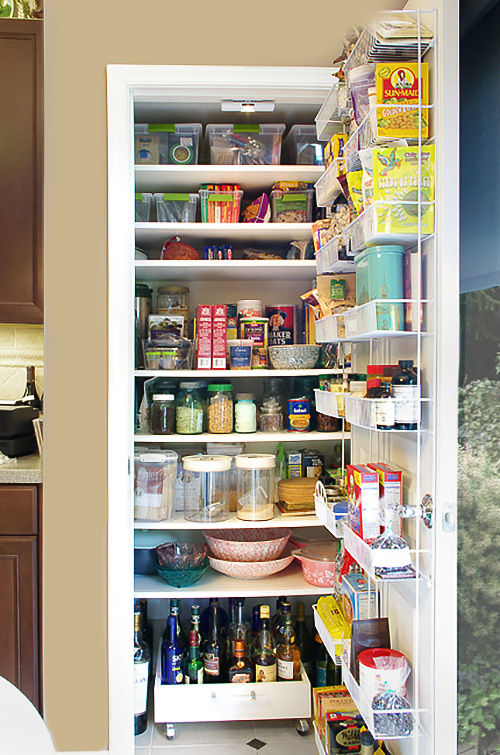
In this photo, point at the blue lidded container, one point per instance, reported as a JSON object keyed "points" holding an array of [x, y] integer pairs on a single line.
{"points": [[379, 276]]}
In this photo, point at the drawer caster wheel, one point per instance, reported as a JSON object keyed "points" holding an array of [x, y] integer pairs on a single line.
{"points": [[170, 731], [302, 727]]}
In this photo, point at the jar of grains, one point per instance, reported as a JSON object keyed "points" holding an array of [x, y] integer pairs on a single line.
{"points": [[189, 408], [245, 413], [220, 407], [163, 414]]}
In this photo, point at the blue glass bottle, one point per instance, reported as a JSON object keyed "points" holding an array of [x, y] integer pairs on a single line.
{"points": [[172, 655]]}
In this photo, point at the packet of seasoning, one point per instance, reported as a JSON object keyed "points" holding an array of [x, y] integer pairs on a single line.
{"points": [[367, 634]]}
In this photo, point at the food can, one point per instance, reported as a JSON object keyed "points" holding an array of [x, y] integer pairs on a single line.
{"points": [[281, 322], [381, 669], [249, 308], [299, 415]]}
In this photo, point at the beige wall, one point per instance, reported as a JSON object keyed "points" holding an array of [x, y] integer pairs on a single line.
{"points": [[81, 39]]}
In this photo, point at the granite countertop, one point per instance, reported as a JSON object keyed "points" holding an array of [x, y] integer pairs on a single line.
{"points": [[26, 470]]}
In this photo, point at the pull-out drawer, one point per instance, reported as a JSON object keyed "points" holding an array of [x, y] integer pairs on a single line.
{"points": [[18, 510], [176, 703]]}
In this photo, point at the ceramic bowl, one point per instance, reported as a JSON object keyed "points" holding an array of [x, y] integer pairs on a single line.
{"points": [[318, 563], [296, 357], [248, 545], [249, 569]]}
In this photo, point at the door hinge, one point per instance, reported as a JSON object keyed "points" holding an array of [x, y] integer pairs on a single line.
{"points": [[450, 517]]}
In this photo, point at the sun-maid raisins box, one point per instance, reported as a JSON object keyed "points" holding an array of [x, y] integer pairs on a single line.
{"points": [[398, 92]]}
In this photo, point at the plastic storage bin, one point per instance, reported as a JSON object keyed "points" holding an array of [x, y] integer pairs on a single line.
{"points": [[167, 143], [143, 208], [292, 206], [176, 208], [245, 144], [255, 486], [379, 275], [205, 481], [302, 147], [154, 484], [220, 206]]}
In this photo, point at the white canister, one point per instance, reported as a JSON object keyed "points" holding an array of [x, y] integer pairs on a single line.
{"points": [[382, 670], [249, 308]]}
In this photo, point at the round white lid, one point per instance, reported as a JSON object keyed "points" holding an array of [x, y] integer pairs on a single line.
{"points": [[163, 397], [206, 463], [255, 461]]}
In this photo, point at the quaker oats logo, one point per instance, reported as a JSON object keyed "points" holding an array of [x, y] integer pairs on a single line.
{"points": [[402, 78]]}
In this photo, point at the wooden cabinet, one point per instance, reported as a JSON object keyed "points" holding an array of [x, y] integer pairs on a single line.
{"points": [[21, 166], [19, 593]]}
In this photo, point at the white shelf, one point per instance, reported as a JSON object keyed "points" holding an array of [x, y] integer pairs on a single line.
{"points": [[363, 555], [179, 523], [204, 270], [361, 412], [362, 323], [326, 403], [289, 582], [251, 178], [214, 374], [257, 437], [157, 233]]}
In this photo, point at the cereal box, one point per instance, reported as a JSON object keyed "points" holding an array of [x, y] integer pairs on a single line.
{"points": [[219, 328], [363, 508], [390, 488], [204, 350], [397, 84]]}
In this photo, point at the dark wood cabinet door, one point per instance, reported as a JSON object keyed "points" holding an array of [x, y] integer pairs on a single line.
{"points": [[21, 171], [19, 662]]}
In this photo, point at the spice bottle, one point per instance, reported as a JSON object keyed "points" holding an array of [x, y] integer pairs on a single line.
{"points": [[163, 414], [406, 392], [220, 408], [245, 413]]}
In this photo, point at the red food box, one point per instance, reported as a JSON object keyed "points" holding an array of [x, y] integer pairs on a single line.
{"points": [[219, 331], [390, 488], [363, 508], [204, 325]]}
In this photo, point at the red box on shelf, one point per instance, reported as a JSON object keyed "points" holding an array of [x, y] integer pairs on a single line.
{"points": [[219, 330], [363, 507], [204, 335]]}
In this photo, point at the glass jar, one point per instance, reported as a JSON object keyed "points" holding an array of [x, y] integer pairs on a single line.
{"points": [[220, 407], [245, 413], [205, 482], [163, 414], [189, 408], [255, 486], [174, 301], [327, 424], [271, 416]]}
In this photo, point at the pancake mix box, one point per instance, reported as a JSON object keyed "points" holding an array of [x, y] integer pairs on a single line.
{"points": [[363, 507]]}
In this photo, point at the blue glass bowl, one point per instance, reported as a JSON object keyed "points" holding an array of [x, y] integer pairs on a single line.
{"points": [[183, 576]]}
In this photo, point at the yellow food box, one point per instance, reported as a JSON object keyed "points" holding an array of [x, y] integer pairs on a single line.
{"points": [[398, 84]]}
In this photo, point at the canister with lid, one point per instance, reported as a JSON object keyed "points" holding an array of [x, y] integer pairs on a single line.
{"points": [[245, 413], [163, 414], [220, 407], [249, 308], [205, 482], [271, 416], [189, 409], [255, 486], [173, 301]]}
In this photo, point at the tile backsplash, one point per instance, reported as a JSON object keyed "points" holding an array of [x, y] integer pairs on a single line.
{"points": [[20, 346]]}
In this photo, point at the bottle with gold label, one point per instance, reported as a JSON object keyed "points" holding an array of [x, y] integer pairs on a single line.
{"points": [[264, 659], [287, 653], [240, 669]]}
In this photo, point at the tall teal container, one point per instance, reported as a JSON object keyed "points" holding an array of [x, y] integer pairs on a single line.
{"points": [[379, 275]]}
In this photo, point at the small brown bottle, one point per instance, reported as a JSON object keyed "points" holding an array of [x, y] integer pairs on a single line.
{"points": [[240, 670]]}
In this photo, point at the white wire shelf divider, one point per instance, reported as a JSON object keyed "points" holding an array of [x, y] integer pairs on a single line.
{"points": [[328, 258], [327, 186], [330, 403], [362, 412], [364, 555], [377, 223], [325, 514], [380, 318], [333, 112]]}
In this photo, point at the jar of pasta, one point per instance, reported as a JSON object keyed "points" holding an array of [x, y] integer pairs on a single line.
{"points": [[220, 407]]}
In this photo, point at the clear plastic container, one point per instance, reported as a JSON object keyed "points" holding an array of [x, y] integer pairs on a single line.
{"points": [[143, 208], [292, 206], [189, 408], [245, 144], [168, 353], [154, 484], [302, 147], [255, 486], [173, 301], [167, 143], [176, 208], [220, 206], [205, 482]]}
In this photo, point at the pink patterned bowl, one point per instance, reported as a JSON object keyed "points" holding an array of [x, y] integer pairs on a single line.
{"points": [[249, 569], [318, 563], [247, 545]]}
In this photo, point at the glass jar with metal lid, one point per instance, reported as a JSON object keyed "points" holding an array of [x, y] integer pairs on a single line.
{"points": [[220, 407], [163, 414], [255, 486], [271, 416], [245, 413], [189, 408], [174, 301], [205, 481]]}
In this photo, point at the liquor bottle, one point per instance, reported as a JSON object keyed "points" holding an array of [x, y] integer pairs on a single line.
{"points": [[172, 655], [205, 619], [240, 669], [231, 604], [406, 393], [147, 629], [325, 670], [255, 624], [285, 610], [239, 629], [303, 638], [367, 743], [275, 621], [30, 395], [174, 611], [287, 653], [214, 648], [141, 676], [264, 659], [194, 665]]}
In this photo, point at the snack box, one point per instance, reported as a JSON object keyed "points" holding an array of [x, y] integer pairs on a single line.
{"points": [[302, 147], [293, 461], [343, 733], [313, 463], [330, 699], [358, 602], [363, 492], [398, 84], [245, 143], [390, 488], [167, 143]]}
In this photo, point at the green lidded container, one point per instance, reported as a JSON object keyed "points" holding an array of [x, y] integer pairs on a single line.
{"points": [[379, 276]]}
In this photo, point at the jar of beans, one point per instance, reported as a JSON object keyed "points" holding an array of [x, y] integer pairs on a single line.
{"points": [[220, 407]]}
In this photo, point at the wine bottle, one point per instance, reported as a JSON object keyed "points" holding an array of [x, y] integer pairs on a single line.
{"points": [[287, 653], [239, 629], [264, 660], [214, 648], [275, 621], [326, 671], [285, 610], [171, 655], [30, 395], [194, 664], [255, 625], [147, 629], [303, 638], [240, 668], [205, 619], [141, 676]]}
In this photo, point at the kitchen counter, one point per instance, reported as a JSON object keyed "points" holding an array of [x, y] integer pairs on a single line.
{"points": [[26, 470]]}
